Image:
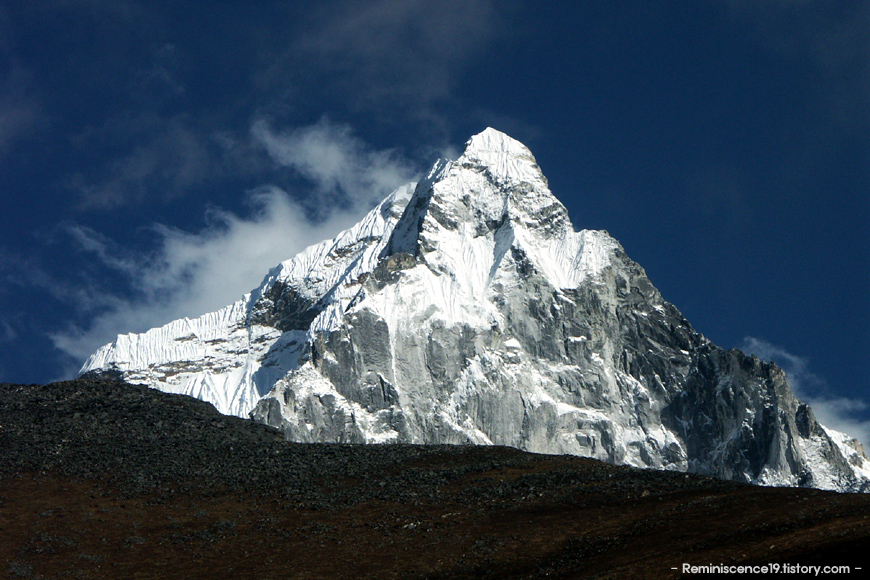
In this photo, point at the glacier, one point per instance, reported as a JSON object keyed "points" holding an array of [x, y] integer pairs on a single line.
{"points": [[465, 309]]}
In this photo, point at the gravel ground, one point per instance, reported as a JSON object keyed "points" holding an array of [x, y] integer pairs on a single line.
{"points": [[100, 479]]}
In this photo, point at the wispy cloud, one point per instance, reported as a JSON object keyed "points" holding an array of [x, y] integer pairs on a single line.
{"points": [[161, 81], [400, 49], [7, 332], [838, 413], [165, 159], [20, 113], [337, 163], [831, 39], [723, 192], [191, 273], [161, 159], [398, 59], [108, 9]]}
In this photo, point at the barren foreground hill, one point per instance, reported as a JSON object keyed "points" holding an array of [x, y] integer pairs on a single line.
{"points": [[100, 479]]}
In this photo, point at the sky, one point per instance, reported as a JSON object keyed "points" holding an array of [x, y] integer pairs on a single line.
{"points": [[157, 158]]}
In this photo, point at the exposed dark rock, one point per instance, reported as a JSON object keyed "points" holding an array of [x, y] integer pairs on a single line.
{"points": [[284, 308]]}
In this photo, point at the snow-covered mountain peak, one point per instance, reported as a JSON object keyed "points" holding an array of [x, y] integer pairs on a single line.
{"points": [[489, 209], [503, 157], [490, 144], [466, 309]]}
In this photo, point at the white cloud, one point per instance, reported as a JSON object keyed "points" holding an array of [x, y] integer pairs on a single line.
{"points": [[109, 255], [838, 413], [339, 164], [190, 274]]}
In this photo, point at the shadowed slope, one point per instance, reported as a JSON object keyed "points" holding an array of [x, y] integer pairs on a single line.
{"points": [[105, 480]]}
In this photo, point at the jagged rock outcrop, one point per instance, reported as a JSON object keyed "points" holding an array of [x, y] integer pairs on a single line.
{"points": [[466, 309]]}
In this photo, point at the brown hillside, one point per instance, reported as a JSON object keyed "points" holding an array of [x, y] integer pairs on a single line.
{"points": [[100, 479]]}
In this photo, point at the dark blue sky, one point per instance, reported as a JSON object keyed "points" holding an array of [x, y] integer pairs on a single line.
{"points": [[157, 157]]}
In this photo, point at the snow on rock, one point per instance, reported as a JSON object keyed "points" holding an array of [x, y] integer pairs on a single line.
{"points": [[466, 309], [852, 450]]}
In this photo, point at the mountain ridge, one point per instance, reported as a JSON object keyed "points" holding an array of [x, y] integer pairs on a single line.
{"points": [[466, 309]]}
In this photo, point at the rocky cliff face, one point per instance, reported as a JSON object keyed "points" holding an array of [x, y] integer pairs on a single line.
{"points": [[466, 309]]}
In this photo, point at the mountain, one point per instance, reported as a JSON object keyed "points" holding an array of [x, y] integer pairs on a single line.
{"points": [[466, 309]]}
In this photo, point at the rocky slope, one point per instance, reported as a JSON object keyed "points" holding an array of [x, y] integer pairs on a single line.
{"points": [[466, 309], [99, 479]]}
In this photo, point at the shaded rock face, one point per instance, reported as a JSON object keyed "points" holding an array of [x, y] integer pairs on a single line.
{"points": [[466, 309], [284, 308]]}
